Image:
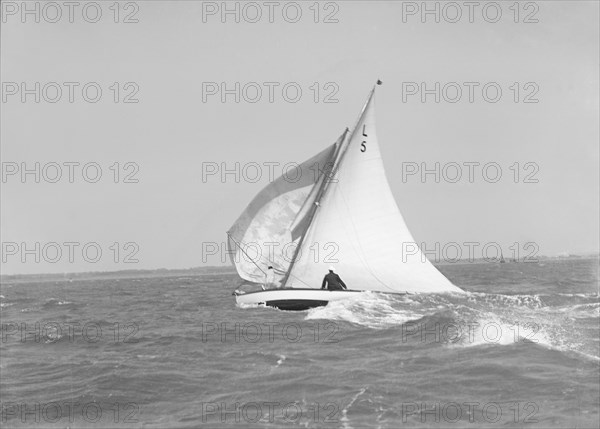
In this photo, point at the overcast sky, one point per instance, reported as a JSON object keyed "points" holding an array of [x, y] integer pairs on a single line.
{"points": [[170, 56]]}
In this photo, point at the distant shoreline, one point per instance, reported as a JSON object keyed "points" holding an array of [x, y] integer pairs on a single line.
{"points": [[110, 275], [212, 270]]}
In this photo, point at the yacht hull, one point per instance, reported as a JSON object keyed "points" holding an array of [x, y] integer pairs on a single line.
{"points": [[293, 299]]}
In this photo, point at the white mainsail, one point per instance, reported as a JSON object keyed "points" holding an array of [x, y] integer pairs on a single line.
{"points": [[262, 235], [359, 229]]}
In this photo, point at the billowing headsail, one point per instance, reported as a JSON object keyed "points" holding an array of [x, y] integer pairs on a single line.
{"points": [[262, 235], [359, 229]]}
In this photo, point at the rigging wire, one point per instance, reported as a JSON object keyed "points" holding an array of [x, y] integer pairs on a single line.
{"points": [[263, 258]]}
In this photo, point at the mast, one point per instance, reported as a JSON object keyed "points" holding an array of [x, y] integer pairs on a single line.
{"points": [[338, 157]]}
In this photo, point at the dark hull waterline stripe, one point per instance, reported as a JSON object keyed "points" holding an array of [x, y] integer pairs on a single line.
{"points": [[296, 304]]}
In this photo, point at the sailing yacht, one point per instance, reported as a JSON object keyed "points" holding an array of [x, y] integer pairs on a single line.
{"points": [[337, 211]]}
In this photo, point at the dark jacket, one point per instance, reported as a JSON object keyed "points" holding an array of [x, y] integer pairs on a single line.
{"points": [[333, 282]]}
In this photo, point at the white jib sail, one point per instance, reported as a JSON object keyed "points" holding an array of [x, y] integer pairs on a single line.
{"points": [[359, 229], [262, 235]]}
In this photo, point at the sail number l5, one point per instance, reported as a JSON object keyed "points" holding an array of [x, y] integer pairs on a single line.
{"points": [[363, 145]]}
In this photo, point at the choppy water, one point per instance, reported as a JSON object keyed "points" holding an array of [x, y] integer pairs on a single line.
{"points": [[521, 349]]}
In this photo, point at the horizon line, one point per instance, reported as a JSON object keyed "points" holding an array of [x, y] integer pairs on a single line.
{"points": [[593, 254]]}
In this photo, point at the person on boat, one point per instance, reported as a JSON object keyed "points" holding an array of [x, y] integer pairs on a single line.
{"points": [[333, 281]]}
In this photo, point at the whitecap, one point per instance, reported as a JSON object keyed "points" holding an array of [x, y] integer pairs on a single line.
{"points": [[249, 305], [370, 309], [282, 358]]}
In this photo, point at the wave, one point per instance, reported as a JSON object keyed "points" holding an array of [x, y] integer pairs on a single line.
{"points": [[476, 319], [55, 301]]}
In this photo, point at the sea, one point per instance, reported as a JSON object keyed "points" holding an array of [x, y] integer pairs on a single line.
{"points": [[519, 349]]}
